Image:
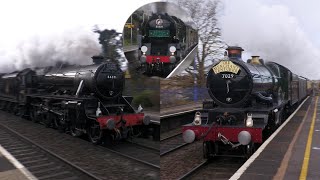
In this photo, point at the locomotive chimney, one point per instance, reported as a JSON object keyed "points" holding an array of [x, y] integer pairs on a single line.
{"points": [[97, 59], [234, 52]]}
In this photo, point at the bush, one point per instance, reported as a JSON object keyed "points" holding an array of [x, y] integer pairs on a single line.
{"points": [[143, 98]]}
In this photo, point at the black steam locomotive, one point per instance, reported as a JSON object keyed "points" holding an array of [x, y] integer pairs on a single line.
{"points": [[250, 100], [165, 41], [77, 99]]}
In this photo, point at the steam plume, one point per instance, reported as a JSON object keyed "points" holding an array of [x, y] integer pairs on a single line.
{"points": [[74, 46], [271, 32]]}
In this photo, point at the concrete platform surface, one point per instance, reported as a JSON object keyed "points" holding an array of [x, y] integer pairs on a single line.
{"points": [[293, 153], [154, 115], [170, 111], [11, 169]]}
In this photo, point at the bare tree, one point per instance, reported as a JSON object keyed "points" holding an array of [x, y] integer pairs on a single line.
{"points": [[205, 15]]}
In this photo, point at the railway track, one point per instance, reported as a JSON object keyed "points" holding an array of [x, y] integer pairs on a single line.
{"points": [[138, 152], [218, 168], [42, 163], [153, 146], [197, 168], [101, 162], [171, 143], [188, 163], [171, 136]]}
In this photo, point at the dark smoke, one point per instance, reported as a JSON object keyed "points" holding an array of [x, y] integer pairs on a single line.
{"points": [[111, 44], [167, 7]]}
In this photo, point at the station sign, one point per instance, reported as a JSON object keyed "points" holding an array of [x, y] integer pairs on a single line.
{"points": [[129, 25]]}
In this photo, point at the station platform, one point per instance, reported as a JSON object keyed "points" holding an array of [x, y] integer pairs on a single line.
{"points": [[292, 152], [130, 48], [11, 169], [180, 109]]}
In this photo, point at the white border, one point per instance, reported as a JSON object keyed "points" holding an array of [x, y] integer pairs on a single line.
{"points": [[181, 62], [179, 113], [244, 167], [17, 164]]}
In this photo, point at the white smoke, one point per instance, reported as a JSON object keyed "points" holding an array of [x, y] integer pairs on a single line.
{"points": [[75, 46], [271, 32], [38, 33]]}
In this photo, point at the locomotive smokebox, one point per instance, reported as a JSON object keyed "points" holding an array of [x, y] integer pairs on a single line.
{"points": [[232, 83], [229, 83]]}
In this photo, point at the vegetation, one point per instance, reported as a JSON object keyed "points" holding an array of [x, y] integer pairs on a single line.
{"points": [[191, 87]]}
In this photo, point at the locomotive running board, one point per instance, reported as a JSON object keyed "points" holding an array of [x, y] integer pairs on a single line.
{"points": [[184, 63], [80, 87]]}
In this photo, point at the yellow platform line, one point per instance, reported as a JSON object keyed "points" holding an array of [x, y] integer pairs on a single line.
{"points": [[305, 165]]}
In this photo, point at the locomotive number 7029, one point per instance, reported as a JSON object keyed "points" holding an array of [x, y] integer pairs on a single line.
{"points": [[227, 76]]}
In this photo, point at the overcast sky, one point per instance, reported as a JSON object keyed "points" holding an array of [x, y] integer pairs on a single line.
{"points": [[286, 31], [282, 31], [56, 29], [306, 13]]}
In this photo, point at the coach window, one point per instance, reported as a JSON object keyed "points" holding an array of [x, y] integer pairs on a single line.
{"points": [[23, 80]]}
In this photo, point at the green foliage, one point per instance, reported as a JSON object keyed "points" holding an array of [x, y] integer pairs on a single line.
{"points": [[127, 42], [145, 98]]}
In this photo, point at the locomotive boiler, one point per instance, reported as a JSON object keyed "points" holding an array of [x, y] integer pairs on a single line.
{"points": [[105, 80], [250, 100], [166, 40], [84, 99]]}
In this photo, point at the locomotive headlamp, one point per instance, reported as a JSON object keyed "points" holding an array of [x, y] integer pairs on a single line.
{"points": [[197, 119], [249, 121], [144, 49], [172, 49]]}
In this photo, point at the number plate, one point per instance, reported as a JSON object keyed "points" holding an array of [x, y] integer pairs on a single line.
{"points": [[227, 76], [226, 66]]}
